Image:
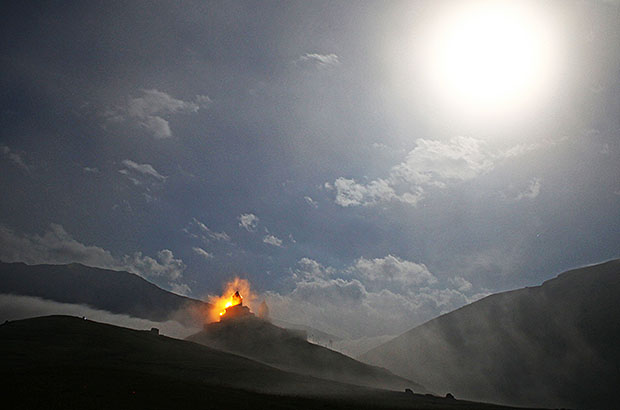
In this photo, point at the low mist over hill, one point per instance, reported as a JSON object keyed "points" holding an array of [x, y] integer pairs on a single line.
{"points": [[113, 291], [288, 350], [552, 345]]}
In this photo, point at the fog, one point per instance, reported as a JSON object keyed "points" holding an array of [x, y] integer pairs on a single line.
{"points": [[357, 347], [553, 345], [288, 350], [14, 307]]}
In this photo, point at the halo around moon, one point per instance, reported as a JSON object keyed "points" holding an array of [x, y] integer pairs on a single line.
{"points": [[487, 57]]}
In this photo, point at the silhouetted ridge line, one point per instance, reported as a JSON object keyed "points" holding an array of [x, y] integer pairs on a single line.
{"points": [[115, 291], [551, 345]]}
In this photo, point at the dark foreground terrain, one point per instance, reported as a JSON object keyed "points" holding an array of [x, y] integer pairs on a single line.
{"points": [[260, 340], [61, 362]]}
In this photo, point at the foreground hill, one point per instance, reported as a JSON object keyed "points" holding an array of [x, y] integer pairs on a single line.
{"points": [[115, 291], [288, 350], [552, 345], [62, 362]]}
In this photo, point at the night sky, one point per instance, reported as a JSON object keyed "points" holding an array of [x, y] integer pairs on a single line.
{"points": [[298, 145]]}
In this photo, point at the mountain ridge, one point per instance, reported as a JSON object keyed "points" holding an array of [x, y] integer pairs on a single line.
{"points": [[289, 350], [552, 344], [111, 290]]}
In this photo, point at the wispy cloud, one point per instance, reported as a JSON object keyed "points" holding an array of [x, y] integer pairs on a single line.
{"points": [[151, 110], [311, 202], [144, 169], [202, 252], [532, 191], [318, 60], [210, 234], [14, 157]]}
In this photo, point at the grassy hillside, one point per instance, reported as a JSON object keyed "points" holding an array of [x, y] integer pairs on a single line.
{"points": [[552, 345], [263, 341], [61, 362]]}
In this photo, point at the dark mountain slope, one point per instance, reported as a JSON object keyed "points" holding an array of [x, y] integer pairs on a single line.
{"points": [[557, 344], [260, 340], [114, 291], [62, 362]]}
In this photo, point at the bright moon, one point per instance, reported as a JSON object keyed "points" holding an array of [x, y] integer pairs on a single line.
{"points": [[490, 55]]}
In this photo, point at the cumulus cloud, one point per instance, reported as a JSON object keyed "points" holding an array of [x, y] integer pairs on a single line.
{"points": [[462, 284], [159, 127], [272, 240], [436, 162], [202, 252], [309, 270], [394, 271], [431, 163], [150, 110], [351, 193], [318, 60], [248, 221], [368, 298], [57, 246], [14, 157]]}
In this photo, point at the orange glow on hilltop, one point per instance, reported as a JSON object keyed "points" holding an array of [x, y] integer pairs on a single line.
{"points": [[236, 292], [235, 299]]}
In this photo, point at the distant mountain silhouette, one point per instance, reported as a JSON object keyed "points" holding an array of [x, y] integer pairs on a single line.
{"points": [[288, 350], [557, 344], [114, 291], [63, 362]]}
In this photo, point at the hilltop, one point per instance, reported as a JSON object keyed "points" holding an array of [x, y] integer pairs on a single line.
{"points": [[552, 345]]}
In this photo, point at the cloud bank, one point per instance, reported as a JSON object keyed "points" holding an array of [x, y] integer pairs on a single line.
{"points": [[369, 298], [431, 164]]}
